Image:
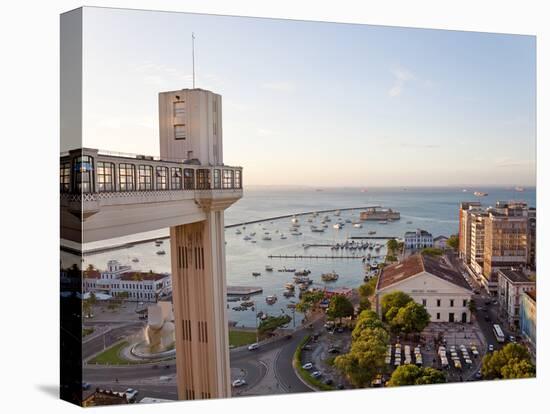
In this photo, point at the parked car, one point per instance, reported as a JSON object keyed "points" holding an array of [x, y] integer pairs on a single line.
{"points": [[478, 375], [491, 347], [253, 346], [238, 383], [307, 366], [340, 329], [131, 394], [306, 347], [512, 338], [316, 374]]}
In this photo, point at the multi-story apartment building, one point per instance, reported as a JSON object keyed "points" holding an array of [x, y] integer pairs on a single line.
{"points": [[418, 239], [528, 318], [506, 243], [532, 219], [512, 283], [476, 218], [464, 232]]}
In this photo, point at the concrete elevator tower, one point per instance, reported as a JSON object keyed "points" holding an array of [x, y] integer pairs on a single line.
{"points": [[190, 123]]}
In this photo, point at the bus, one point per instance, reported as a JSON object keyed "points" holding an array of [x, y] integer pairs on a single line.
{"points": [[499, 335]]}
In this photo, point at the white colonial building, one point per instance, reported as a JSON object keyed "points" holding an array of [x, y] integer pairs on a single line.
{"points": [[430, 281], [418, 239], [122, 281], [511, 285]]}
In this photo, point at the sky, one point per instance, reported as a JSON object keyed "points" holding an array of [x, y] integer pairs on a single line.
{"points": [[321, 104]]}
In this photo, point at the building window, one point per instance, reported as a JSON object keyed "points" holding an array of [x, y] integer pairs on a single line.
{"points": [[176, 178], [438, 316], [217, 179], [162, 178], [145, 177], [238, 179], [83, 168], [451, 303], [179, 108], [438, 303], [227, 179], [126, 173], [65, 177], [424, 302], [189, 179], [105, 176], [464, 302], [179, 131], [203, 179]]}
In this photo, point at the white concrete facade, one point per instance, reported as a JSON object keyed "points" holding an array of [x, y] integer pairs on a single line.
{"points": [[444, 301], [418, 239]]}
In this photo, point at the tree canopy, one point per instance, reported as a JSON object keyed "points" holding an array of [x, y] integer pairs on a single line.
{"points": [[340, 307], [395, 300], [367, 288], [366, 319], [413, 375], [452, 241], [309, 300], [413, 317], [432, 251], [512, 361]]}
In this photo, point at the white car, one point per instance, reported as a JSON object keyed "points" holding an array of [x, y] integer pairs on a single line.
{"points": [[238, 383], [253, 346], [491, 348], [309, 365], [131, 394], [316, 374]]}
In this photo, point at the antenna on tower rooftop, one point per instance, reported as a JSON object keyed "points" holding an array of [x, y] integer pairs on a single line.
{"points": [[193, 54]]}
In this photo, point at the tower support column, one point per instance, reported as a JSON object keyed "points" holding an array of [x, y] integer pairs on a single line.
{"points": [[199, 297]]}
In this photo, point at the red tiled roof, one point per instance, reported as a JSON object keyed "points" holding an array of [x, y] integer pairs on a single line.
{"points": [[92, 274], [419, 263], [142, 276]]}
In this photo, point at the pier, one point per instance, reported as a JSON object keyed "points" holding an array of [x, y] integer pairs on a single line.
{"points": [[374, 237], [243, 290], [302, 256]]}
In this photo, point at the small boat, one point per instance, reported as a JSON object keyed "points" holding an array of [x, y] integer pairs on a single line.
{"points": [[233, 299], [348, 220], [238, 232], [269, 268], [296, 233], [247, 304], [252, 234], [372, 232], [135, 260], [303, 272], [247, 238], [338, 226], [245, 298], [519, 189], [303, 279], [288, 293], [266, 238], [283, 237], [251, 241], [271, 299], [329, 277], [464, 190], [409, 222], [291, 305], [161, 252], [294, 220], [158, 242], [316, 229], [337, 213], [289, 286], [383, 222], [256, 274], [357, 225], [480, 194]]}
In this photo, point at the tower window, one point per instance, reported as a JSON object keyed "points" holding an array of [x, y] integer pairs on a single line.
{"points": [[179, 131], [179, 108]]}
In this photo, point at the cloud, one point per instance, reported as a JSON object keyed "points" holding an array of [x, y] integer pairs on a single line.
{"points": [[280, 86], [401, 77]]}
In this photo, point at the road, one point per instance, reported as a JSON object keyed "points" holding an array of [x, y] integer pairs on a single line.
{"points": [[147, 377], [114, 334]]}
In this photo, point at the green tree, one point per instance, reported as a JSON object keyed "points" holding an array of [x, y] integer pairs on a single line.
{"points": [[432, 251], [512, 361], [392, 245], [364, 304], [452, 241], [340, 307], [367, 289], [366, 357], [395, 300], [367, 319], [309, 301], [391, 258], [413, 317], [472, 306], [413, 375]]}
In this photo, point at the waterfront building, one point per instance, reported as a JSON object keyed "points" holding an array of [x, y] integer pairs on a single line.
{"points": [[430, 281], [512, 283], [440, 242], [464, 233], [120, 281], [528, 318], [418, 239], [506, 240], [106, 195], [377, 213]]}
